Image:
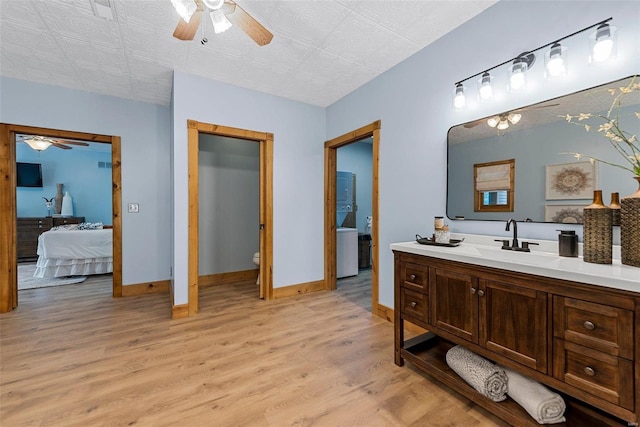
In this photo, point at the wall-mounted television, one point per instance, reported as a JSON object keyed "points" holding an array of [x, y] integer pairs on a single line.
{"points": [[28, 174]]}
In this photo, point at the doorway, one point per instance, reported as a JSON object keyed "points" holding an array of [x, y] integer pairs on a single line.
{"points": [[330, 247], [195, 129], [8, 264]]}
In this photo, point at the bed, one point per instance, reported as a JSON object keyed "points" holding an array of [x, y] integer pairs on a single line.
{"points": [[74, 253]]}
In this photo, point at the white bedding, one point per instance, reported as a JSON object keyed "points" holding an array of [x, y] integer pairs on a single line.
{"points": [[76, 244], [74, 253]]}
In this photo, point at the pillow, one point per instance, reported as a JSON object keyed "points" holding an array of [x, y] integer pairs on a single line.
{"points": [[90, 226], [65, 227]]}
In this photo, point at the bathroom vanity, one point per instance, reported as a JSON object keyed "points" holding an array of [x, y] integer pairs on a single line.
{"points": [[570, 325]]}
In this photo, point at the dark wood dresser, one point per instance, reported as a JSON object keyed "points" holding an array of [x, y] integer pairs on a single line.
{"points": [[28, 230]]}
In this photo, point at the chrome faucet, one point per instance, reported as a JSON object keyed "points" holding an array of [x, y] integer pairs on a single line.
{"points": [[514, 244]]}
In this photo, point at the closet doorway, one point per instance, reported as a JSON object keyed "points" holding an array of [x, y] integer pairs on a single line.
{"points": [[197, 131], [330, 241], [8, 263]]}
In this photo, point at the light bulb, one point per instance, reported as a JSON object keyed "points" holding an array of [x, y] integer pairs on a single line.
{"points": [[459, 99], [555, 60], [514, 117], [517, 79], [504, 124], [493, 121], [603, 46], [220, 22], [485, 90]]}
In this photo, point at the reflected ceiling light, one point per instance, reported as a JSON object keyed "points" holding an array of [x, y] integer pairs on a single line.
{"points": [[459, 98], [220, 21], [37, 143], [185, 8], [502, 121], [514, 117], [485, 90], [603, 43], [493, 121], [503, 124], [556, 60]]}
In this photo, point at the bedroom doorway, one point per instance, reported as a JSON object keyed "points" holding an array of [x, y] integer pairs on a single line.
{"points": [[265, 140], [371, 131], [8, 230]]}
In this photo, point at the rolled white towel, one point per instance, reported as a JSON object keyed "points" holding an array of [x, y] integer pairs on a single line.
{"points": [[545, 406], [478, 372]]}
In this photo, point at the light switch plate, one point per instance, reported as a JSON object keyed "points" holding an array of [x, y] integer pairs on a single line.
{"points": [[133, 208]]}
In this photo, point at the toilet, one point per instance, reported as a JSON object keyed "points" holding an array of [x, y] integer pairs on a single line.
{"points": [[256, 261]]}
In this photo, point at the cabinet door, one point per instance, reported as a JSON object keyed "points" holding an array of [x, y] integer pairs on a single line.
{"points": [[454, 303], [513, 322]]}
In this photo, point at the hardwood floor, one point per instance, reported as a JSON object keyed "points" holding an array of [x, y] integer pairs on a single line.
{"points": [[74, 356]]}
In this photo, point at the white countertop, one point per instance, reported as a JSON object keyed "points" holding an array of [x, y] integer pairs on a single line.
{"points": [[541, 261]]}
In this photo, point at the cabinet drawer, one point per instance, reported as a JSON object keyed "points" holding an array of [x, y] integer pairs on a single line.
{"points": [[68, 220], [414, 304], [597, 326], [33, 223], [415, 276], [600, 374]]}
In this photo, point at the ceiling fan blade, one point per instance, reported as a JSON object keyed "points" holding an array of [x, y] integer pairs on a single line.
{"points": [[58, 145], [187, 31], [64, 141], [473, 124], [238, 16]]}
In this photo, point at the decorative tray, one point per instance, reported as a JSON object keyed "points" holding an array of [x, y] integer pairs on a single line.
{"points": [[430, 241]]}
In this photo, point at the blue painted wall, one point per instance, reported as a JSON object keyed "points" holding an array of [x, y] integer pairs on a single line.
{"points": [[77, 169], [357, 158], [144, 130], [413, 100]]}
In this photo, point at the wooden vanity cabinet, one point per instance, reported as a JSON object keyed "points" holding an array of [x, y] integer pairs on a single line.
{"points": [[498, 315], [576, 338]]}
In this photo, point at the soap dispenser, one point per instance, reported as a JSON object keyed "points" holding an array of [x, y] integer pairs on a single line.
{"points": [[568, 243]]}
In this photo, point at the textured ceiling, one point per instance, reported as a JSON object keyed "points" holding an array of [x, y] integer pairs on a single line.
{"points": [[321, 50]]}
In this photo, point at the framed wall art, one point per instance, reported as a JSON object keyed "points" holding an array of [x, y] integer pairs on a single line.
{"points": [[565, 214], [570, 181]]}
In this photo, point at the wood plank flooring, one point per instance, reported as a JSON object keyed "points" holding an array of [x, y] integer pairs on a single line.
{"points": [[74, 356]]}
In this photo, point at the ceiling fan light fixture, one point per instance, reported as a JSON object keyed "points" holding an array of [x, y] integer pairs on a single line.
{"points": [[213, 4], [514, 117], [220, 22], [38, 144], [493, 121], [504, 124], [185, 8]]}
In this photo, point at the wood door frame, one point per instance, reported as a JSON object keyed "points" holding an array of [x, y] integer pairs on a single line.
{"points": [[194, 128], [330, 226], [8, 263]]}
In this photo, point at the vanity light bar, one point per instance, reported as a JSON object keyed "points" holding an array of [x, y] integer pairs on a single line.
{"points": [[602, 41]]}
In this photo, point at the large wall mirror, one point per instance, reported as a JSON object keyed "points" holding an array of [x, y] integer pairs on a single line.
{"points": [[550, 184]]}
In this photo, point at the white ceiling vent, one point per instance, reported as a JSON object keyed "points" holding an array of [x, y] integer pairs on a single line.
{"points": [[103, 9]]}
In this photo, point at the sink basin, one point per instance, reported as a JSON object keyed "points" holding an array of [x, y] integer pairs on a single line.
{"points": [[518, 257]]}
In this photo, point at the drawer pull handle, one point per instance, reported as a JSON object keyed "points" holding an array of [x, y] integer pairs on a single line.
{"points": [[589, 371], [412, 277], [413, 303], [473, 291], [589, 325], [480, 293]]}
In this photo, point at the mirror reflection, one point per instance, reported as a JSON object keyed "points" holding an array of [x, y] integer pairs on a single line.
{"points": [[550, 182]]}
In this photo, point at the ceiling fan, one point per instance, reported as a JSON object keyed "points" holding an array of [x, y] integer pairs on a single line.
{"points": [[501, 121], [41, 143], [223, 14]]}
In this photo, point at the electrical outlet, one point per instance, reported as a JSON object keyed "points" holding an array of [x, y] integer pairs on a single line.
{"points": [[133, 208]]}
